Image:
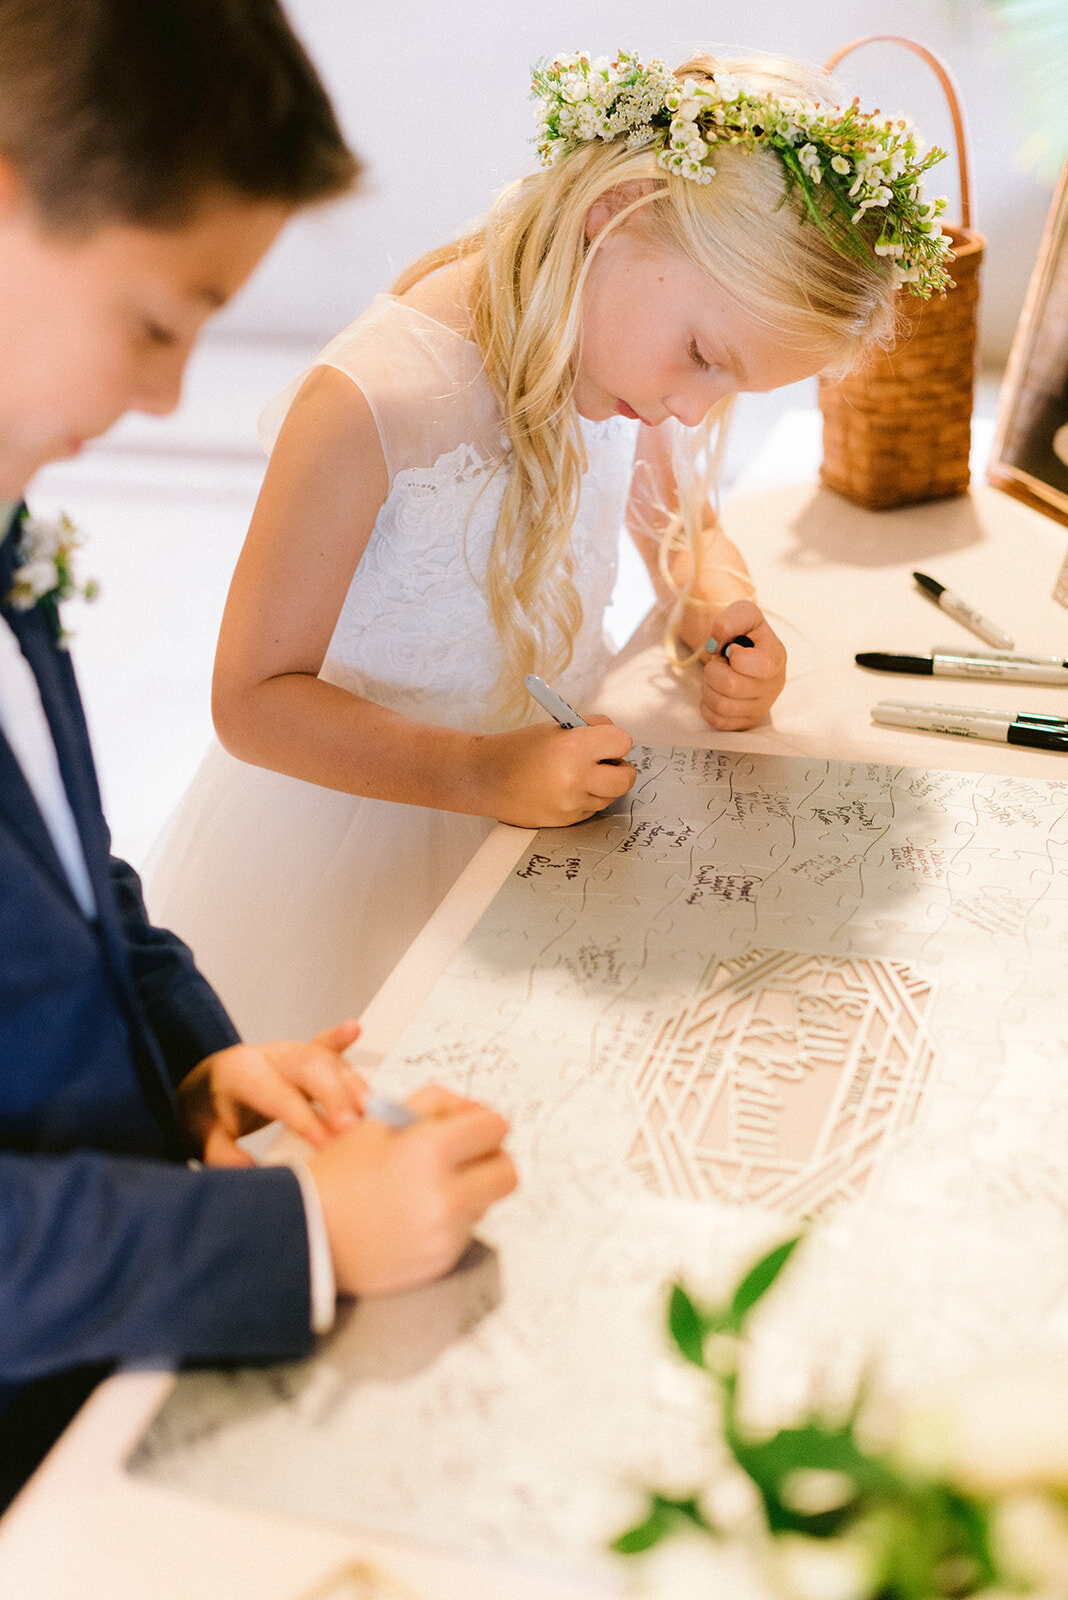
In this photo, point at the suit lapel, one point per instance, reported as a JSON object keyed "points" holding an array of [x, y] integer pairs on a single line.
{"points": [[19, 810], [58, 689], [18, 804]]}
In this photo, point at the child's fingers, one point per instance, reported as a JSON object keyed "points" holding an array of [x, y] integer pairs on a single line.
{"points": [[606, 742], [340, 1036], [468, 1134], [748, 664], [481, 1183], [721, 681], [731, 715], [325, 1078], [222, 1150], [609, 782], [276, 1098], [739, 693], [741, 616], [432, 1100]]}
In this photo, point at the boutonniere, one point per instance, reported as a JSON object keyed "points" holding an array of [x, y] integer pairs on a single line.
{"points": [[44, 573]]}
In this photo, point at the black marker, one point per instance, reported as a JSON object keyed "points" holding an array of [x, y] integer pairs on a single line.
{"points": [[948, 664], [714, 647]]}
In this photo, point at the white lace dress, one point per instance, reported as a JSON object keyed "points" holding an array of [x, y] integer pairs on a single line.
{"points": [[298, 900]]}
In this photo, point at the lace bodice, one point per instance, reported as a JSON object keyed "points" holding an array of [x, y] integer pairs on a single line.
{"points": [[414, 631]]}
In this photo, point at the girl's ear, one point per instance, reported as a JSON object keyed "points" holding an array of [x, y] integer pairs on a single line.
{"points": [[613, 201], [598, 216]]}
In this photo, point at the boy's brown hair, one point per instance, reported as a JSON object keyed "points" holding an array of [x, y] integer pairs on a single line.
{"points": [[133, 110]]}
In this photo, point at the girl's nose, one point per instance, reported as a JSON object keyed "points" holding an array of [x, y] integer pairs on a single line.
{"points": [[689, 411], [692, 404]]}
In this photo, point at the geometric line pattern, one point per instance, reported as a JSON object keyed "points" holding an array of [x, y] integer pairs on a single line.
{"points": [[783, 1081]]}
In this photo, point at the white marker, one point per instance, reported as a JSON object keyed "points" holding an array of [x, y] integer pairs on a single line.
{"points": [[553, 703], [954, 606], [1033, 728], [390, 1111], [1012, 656]]}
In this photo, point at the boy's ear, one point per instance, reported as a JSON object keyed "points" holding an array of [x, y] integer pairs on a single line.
{"points": [[608, 206]]}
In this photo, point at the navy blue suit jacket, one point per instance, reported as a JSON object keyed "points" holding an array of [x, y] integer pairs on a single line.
{"points": [[111, 1248]]}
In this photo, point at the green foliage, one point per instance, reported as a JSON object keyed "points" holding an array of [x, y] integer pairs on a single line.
{"points": [[665, 1517], [1038, 31], [690, 1324], [923, 1539], [759, 1279], [687, 1326]]}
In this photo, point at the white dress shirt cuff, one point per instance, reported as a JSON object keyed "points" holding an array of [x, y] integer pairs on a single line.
{"points": [[320, 1261]]}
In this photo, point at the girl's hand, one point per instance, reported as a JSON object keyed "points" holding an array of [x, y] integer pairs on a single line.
{"points": [[309, 1087], [549, 777], [738, 690]]}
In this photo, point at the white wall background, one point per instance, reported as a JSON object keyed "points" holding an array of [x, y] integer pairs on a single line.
{"points": [[434, 94]]}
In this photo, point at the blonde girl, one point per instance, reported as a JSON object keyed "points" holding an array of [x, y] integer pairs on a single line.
{"points": [[441, 510]]}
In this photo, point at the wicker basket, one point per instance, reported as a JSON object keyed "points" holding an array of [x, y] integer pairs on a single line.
{"points": [[898, 430]]}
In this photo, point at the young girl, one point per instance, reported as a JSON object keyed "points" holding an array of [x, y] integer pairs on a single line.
{"points": [[441, 511]]}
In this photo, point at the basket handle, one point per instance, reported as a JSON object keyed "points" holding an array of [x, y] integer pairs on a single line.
{"points": [[949, 88]]}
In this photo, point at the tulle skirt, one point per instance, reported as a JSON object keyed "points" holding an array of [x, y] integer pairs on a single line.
{"points": [[298, 901]]}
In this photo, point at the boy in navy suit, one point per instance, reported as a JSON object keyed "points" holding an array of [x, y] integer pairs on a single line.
{"points": [[149, 155]]}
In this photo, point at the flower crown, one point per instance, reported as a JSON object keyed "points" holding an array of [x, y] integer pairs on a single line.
{"points": [[842, 161]]}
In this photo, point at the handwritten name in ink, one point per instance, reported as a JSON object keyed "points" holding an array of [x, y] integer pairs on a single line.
{"points": [[536, 865], [710, 883]]}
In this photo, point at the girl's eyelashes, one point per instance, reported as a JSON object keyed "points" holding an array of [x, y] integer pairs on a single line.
{"points": [[697, 358]]}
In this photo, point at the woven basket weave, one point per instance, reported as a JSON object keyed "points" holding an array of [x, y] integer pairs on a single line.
{"points": [[898, 430]]}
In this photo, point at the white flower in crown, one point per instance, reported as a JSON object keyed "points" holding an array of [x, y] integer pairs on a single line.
{"points": [[44, 573], [729, 87], [842, 161], [808, 156], [589, 122]]}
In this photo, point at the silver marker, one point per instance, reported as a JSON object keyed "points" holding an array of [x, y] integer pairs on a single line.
{"points": [[554, 703], [955, 607], [1000, 655], [1035, 729], [389, 1111], [561, 712]]}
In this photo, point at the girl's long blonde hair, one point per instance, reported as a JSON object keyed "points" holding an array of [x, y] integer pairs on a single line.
{"points": [[745, 229]]}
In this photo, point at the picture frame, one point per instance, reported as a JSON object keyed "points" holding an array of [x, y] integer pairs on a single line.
{"points": [[1029, 455]]}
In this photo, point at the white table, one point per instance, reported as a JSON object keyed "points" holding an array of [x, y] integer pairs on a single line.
{"points": [[836, 580]]}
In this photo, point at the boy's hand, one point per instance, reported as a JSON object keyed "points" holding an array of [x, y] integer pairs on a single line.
{"points": [[400, 1203], [550, 777], [309, 1087], [738, 690]]}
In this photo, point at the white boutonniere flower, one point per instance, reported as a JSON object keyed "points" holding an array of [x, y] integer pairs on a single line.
{"points": [[44, 575]]}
